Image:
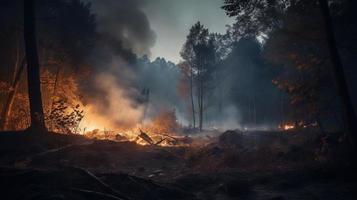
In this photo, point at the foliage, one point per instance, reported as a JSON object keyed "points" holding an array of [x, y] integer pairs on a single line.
{"points": [[254, 17], [295, 43], [300, 48], [4, 87], [64, 117], [20, 115], [66, 35], [201, 55]]}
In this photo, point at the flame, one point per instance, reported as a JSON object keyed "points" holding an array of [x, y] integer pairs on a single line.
{"points": [[161, 129], [286, 126]]}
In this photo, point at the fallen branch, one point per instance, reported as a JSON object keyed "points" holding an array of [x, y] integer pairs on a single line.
{"points": [[105, 186], [160, 141], [146, 137], [94, 194]]}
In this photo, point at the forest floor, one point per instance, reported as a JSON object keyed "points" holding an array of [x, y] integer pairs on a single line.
{"points": [[232, 165]]}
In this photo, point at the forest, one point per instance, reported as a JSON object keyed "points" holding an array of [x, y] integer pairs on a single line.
{"points": [[166, 99]]}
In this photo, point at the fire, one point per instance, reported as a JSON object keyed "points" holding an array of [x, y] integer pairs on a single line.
{"points": [[286, 126], [161, 130]]}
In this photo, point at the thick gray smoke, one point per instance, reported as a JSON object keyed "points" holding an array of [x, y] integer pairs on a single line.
{"points": [[126, 22], [127, 89], [124, 89]]}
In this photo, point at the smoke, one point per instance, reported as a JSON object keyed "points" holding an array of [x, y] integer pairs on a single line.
{"points": [[121, 75], [119, 111], [116, 92], [229, 118], [126, 22]]}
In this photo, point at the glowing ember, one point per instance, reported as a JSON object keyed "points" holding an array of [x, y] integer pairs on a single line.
{"points": [[161, 130], [286, 126]]}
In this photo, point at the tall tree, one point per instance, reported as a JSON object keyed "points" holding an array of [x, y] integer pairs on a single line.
{"points": [[262, 17], [6, 111], [300, 54], [199, 52], [66, 35], [187, 72], [339, 72], [33, 67]]}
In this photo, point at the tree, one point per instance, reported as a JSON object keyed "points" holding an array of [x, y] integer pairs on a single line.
{"points": [[6, 111], [298, 51], [199, 52], [339, 72], [11, 54], [187, 72], [33, 68], [66, 35], [257, 17]]}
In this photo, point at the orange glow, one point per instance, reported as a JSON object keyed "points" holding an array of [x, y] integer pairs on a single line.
{"points": [[286, 126], [162, 129]]}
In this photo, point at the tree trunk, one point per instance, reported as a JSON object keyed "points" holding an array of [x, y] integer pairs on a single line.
{"points": [[33, 68], [201, 105], [6, 112], [54, 93], [192, 102], [199, 97], [349, 112]]}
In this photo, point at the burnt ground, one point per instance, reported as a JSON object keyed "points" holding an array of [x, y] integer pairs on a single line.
{"points": [[233, 165]]}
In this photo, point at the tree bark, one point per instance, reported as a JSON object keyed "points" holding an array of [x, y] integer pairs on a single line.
{"points": [[348, 109], [201, 104], [192, 102], [33, 68], [6, 112]]}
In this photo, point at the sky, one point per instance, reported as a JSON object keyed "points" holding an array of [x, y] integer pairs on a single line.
{"points": [[172, 19]]}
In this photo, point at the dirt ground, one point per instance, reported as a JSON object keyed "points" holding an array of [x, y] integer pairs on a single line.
{"points": [[231, 165]]}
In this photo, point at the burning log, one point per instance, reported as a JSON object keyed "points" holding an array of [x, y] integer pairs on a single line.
{"points": [[160, 141], [144, 136], [119, 137]]}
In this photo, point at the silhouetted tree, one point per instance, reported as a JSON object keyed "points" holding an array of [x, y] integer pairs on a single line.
{"points": [[200, 53], [301, 55], [263, 17], [66, 35], [33, 67], [338, 71]]}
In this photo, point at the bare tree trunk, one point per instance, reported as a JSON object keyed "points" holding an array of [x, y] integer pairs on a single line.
{"points": [[54, 93], [6, 112], [17, 61], [349, 112], [254, 110], [33, 68], [200, 98], [201, 104], [192, 102], [249, 110]]}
